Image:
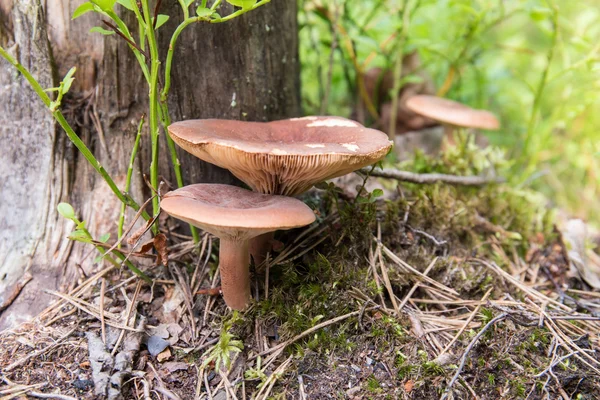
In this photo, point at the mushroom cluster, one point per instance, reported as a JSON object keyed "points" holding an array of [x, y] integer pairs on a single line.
{"points": [[276, 159]]}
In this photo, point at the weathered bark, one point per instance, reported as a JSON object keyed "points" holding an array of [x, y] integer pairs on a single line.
{"points": [[243, 69]]}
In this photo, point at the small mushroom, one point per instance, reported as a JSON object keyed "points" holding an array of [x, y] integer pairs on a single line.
{"points": [[452, 114], [285, 157], [235, 215]]}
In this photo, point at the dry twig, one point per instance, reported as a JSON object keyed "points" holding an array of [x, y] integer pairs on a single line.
{"points": [[412, 177]]}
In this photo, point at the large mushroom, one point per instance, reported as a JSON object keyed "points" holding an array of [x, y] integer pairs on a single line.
{"points": [[285, 157], [452, 114], [235, 215]]}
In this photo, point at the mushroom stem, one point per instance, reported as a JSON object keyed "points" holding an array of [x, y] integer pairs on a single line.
{"points": [[260, 246], [449, 131], [234, 261]]}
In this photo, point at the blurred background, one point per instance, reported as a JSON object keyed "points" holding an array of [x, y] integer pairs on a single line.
{"points": [[534, 63]]}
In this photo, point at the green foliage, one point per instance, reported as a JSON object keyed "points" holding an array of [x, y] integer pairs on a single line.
{"points": [[510, 212], [243, 4], [81, 234], [66, 210], [257, 373], [62, 89], [535, 63], [373, 385], [220, 354], [102, 31]]}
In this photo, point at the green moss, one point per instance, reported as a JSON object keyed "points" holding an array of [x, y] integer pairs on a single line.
{"points": [[373, 385]]}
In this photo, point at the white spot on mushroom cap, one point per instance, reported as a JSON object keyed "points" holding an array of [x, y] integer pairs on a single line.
{"points": [[279, 152], [331, 122], [351, 147], [314, 146], [311, 118]]}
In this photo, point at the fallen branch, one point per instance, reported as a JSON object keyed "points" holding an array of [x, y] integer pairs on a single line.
{"points": [[14, 293], [406, 176], [54, 396]]}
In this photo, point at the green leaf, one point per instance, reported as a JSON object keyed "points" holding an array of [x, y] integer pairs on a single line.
{"points": [[468, 10], [80, 225], [66, 210], [105, 5], [80, 236], [188, 2], [82, 9], [98, 259], [377, 193], [539, 13], [102, 31], [104, 238], [67, 81], [203, 12], [127, 4], [160, 20], [244, 4]]}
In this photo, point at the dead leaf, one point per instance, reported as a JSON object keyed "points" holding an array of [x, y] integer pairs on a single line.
{"points": [[147, 246], [583, 259], [409, 385], [163, 356], [172, 366], [138, 234], [160, 244], [417, 328]]}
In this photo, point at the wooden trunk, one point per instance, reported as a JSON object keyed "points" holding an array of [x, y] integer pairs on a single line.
{"points": [[243, 69]]}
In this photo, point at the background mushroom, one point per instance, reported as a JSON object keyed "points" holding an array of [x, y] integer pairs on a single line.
{"points": [[452, 114], [284, 157], [235, 215]]}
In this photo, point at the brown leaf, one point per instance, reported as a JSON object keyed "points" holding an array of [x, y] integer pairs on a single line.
{"points": [[210, 291], [409, 385], [164, 355], [160, 244], [147, 246], [138, 234], [172, 366]]}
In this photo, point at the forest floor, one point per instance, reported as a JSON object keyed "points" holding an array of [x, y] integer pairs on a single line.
{"points": [[413, 292]]}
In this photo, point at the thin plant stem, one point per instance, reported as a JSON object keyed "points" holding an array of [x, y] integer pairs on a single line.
{"points": [[125, 31], [164, 108], [334, 44], [134, 151], [83, 149], [186, 11], [166, 121], [535, 109], [116, 253], [185, 24], [405, 17], [154, 111]]}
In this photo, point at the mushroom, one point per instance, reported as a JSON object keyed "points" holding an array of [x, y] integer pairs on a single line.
{"points": [[285, 157], [452, 114], [235, 215]]}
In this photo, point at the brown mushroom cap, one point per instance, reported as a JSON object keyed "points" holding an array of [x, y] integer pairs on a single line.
{"points": [[234, 213], [452, 113], [283, 157]]}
